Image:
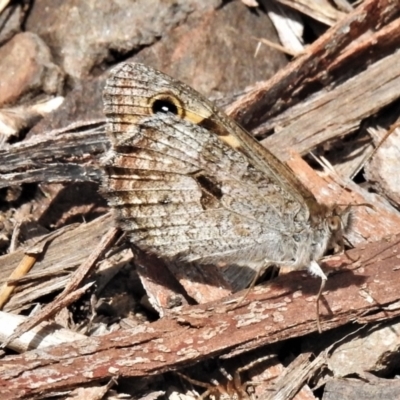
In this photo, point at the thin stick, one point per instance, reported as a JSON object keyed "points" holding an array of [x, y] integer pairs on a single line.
{"points": [[27, 262]]}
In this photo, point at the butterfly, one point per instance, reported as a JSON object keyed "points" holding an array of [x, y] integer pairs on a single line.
{"points": [[192, 187]]}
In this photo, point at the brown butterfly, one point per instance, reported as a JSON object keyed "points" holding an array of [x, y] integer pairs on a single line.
{"points": [[194, 188]]}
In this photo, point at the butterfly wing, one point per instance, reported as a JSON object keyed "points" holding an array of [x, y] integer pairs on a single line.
{"points": [[183, 194], [132, 91]]}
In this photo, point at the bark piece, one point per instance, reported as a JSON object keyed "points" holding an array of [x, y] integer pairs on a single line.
{"points": [[289, 25], [340, 110], [26, 69], [383, 170], [47, 158], [16, 119], [283, 309], [321, 10], [294, 379], [162, 288], [374, 351], [355, 390], [42, 336], [332, 56]]}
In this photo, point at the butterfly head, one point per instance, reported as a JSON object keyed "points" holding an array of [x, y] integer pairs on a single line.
{"points": [[329, 229]]}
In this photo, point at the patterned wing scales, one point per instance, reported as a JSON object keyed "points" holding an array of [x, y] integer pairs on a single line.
{"points": [[180, 192]]}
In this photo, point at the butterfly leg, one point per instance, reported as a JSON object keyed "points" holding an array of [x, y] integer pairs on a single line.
{"points": [[253, 283], [345, 252], [315, 269], [248, 290]]}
